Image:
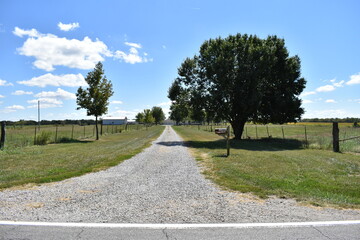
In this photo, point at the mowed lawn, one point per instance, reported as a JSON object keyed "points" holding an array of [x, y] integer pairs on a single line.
{"points": [[278, 167], [53, 162]]}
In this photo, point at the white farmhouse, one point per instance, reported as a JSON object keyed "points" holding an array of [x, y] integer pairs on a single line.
{"points": [[114, 121]]}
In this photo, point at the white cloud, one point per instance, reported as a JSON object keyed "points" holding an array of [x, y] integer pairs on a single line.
{"points": [[339, 84], [354, 79], [330, 113], [5, 83], [31, 33], [50, 50], [68, 27], [164, 104], [116, 102], [15, 107], [307, 101], [124, 113], [69, 80], [21, 92], [46, 101], [59, 94], [330, 101], [2, 96], [132, 57], [134, 45], [304, 94], [326, 88]]}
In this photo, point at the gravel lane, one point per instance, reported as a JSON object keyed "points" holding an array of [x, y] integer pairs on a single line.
{"points": [[163, 184]]}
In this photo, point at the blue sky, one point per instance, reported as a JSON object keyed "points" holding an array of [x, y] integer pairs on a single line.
{"points": [[48, 47]]}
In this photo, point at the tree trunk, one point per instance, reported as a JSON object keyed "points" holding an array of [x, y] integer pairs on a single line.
{"points": [[238, 127], [96, 127]]}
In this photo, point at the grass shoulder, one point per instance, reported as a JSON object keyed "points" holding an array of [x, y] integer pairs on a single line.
{"points": [[54, 162], [278, 167]]}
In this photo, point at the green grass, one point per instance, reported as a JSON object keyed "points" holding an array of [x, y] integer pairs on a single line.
{"points": [[54, 162], [278, 167]]}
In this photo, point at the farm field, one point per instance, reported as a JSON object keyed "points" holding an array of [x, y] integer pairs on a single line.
{"points": [[54, 162], [280, 167]]}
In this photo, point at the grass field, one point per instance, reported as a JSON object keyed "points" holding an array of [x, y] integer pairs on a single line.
{"points": [[53, 162], [278, 167]]}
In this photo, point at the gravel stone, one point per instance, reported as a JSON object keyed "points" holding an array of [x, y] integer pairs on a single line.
{"points": [[163, 184]]}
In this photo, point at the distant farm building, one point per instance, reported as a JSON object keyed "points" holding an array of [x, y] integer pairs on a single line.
{"points": [[114, 121]]}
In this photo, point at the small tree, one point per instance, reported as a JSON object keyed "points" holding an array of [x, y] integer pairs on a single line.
{"points": [[158, 114], [95, 98], [139, 117], [148, 118]]}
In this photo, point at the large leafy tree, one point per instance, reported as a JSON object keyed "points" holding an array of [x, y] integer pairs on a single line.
{"points": [[241, 78], [95, 98], [158, 114]]}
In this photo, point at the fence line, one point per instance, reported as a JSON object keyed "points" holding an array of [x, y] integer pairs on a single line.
{"points": [[21, 136], [314, 135]]}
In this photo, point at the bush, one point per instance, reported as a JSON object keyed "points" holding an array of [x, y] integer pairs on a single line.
{"points": [[43, 138]]}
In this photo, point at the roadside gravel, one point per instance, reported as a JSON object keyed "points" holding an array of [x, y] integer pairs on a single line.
{"points": [[163, 184]]}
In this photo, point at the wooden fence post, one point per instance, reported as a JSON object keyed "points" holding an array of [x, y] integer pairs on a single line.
{"points": [[35, 142], [56, 133], [306, 139], [228, 142], [282, 129], [335, 132], [2, 140], [72, 132]]}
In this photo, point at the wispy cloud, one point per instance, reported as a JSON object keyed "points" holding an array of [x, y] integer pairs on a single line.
{"points": [[68, 27], [135, 45], [116, 102], [5, 83], [21, 92], [68, 80], [59, 94], [326, 88], [330, 101]]}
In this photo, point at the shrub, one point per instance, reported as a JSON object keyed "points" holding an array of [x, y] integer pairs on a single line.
{"points": [[43, 138]]}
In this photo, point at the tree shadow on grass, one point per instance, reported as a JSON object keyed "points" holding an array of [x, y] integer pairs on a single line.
{"points": [[265, 144], [71, 140]]}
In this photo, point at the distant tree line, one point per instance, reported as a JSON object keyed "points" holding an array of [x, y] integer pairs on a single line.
{"points": [[23, 122], [340, 120], [155, 115]]}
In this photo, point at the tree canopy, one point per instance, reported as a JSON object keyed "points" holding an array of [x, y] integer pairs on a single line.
{"points": [[158, 114], [95, 98], [238, 79]]}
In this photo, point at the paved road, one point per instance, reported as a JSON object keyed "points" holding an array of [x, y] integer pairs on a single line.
{"points": [[310, 231]]}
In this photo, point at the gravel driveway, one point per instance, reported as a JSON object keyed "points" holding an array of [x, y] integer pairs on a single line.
{"points": [[163, 184]]}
